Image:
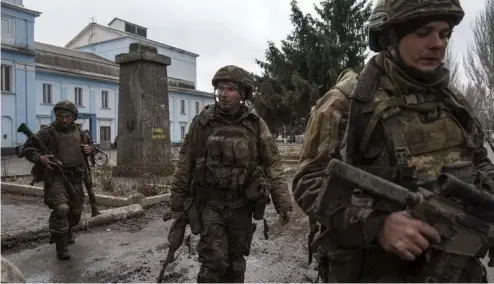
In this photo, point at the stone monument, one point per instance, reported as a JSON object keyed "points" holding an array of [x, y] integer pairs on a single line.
{"points": [[144, 144]]}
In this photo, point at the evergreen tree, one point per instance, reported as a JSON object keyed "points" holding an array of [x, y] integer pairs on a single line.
{"points": [[310, 60]]}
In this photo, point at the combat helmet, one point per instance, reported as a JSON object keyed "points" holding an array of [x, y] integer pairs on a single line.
{"points": [[236, 75], [388, 13], [68, 106]]}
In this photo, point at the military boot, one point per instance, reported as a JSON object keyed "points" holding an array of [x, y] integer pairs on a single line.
{"points": [[70, 236], [61, 243]]}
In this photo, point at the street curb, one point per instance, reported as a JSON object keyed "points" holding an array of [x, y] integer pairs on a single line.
{"points": [[105, 200], [107, 216]]}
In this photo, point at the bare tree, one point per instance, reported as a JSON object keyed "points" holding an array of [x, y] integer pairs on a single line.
{"points": [[452, 63], [479, 64]]}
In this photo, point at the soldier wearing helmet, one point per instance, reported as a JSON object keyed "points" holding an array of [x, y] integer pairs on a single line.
{"points": [[401, 120], [69, 145], [230, 165]]}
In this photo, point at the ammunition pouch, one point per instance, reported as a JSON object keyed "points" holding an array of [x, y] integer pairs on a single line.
{"points": [[257, 193], [192, 214], [39, 173], [260, 208]]}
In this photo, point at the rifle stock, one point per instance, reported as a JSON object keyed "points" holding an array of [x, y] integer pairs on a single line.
{"points": [[462, 235]]}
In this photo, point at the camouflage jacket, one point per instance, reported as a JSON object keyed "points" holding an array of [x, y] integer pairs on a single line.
{"points": [[268, 158], [323, 142]]}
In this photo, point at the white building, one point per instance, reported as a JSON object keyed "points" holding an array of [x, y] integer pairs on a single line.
{"points": [[185, 101]]}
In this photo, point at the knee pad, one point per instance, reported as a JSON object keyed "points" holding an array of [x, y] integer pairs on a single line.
{"points": [[74, 216], [61, 210]]}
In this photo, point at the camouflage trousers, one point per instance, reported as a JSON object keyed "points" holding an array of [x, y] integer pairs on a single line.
{"points": [[66, 208], [226, 238]]}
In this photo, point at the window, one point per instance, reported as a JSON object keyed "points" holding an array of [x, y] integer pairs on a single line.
{"points": [[130, 28], [78, 96], [198, 107], [182, 106], [141, 32], [182, 131], [104, 99], [8, 27], [6, 78], [105, 136], [47, 95]]}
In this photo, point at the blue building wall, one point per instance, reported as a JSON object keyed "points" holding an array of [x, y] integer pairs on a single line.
{"points": [[23, 27], [18, 56], [93, 114], [24, 102], [180, 121]]}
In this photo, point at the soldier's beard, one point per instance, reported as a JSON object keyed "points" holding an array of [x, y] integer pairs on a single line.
{"points": [[63, 125]]}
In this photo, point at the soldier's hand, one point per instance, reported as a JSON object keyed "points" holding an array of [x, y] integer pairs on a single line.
{"points": [[87, 148], [285, 217], [406, 236], [46, 162]]}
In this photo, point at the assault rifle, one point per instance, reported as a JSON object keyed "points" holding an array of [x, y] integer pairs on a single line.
{"points": [[462, 214], [88, 182], [38, 169], [177, 232], [314, 228]]}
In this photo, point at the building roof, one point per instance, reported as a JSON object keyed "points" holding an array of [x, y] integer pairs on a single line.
{"points": [[72, 61], [127, 34], [21, 9], [116, 18], [85, 64]]}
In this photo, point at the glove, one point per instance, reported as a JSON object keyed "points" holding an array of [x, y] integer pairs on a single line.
{"points": [[168, 215], [285, 217]]}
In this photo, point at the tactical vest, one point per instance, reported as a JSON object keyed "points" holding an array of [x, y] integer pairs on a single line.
{"points": [[228, 154], [405, 140], [420, 132], [67, 147]]}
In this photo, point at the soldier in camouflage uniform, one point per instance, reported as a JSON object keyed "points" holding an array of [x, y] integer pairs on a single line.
{"points": [[68, 144], [404, 123], [228, 151]]}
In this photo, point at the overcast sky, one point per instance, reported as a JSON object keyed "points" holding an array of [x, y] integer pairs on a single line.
{"points": [[221, 31]]}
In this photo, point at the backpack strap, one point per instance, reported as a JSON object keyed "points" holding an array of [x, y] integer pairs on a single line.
{"points": [[363, 93]]}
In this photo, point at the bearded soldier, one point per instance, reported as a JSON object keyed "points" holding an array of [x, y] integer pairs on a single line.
{"points": [[405, 122], [68, 144], [227, 162]]}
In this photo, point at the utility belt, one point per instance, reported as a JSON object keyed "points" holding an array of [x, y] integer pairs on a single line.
{"points": [[211, 193]]}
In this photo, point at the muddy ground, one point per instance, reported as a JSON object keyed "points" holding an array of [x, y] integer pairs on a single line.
{"points": [[131, 251], [20, 212]]}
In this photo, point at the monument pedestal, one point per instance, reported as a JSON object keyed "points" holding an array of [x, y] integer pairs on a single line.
{"points": [[144, 145]]}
